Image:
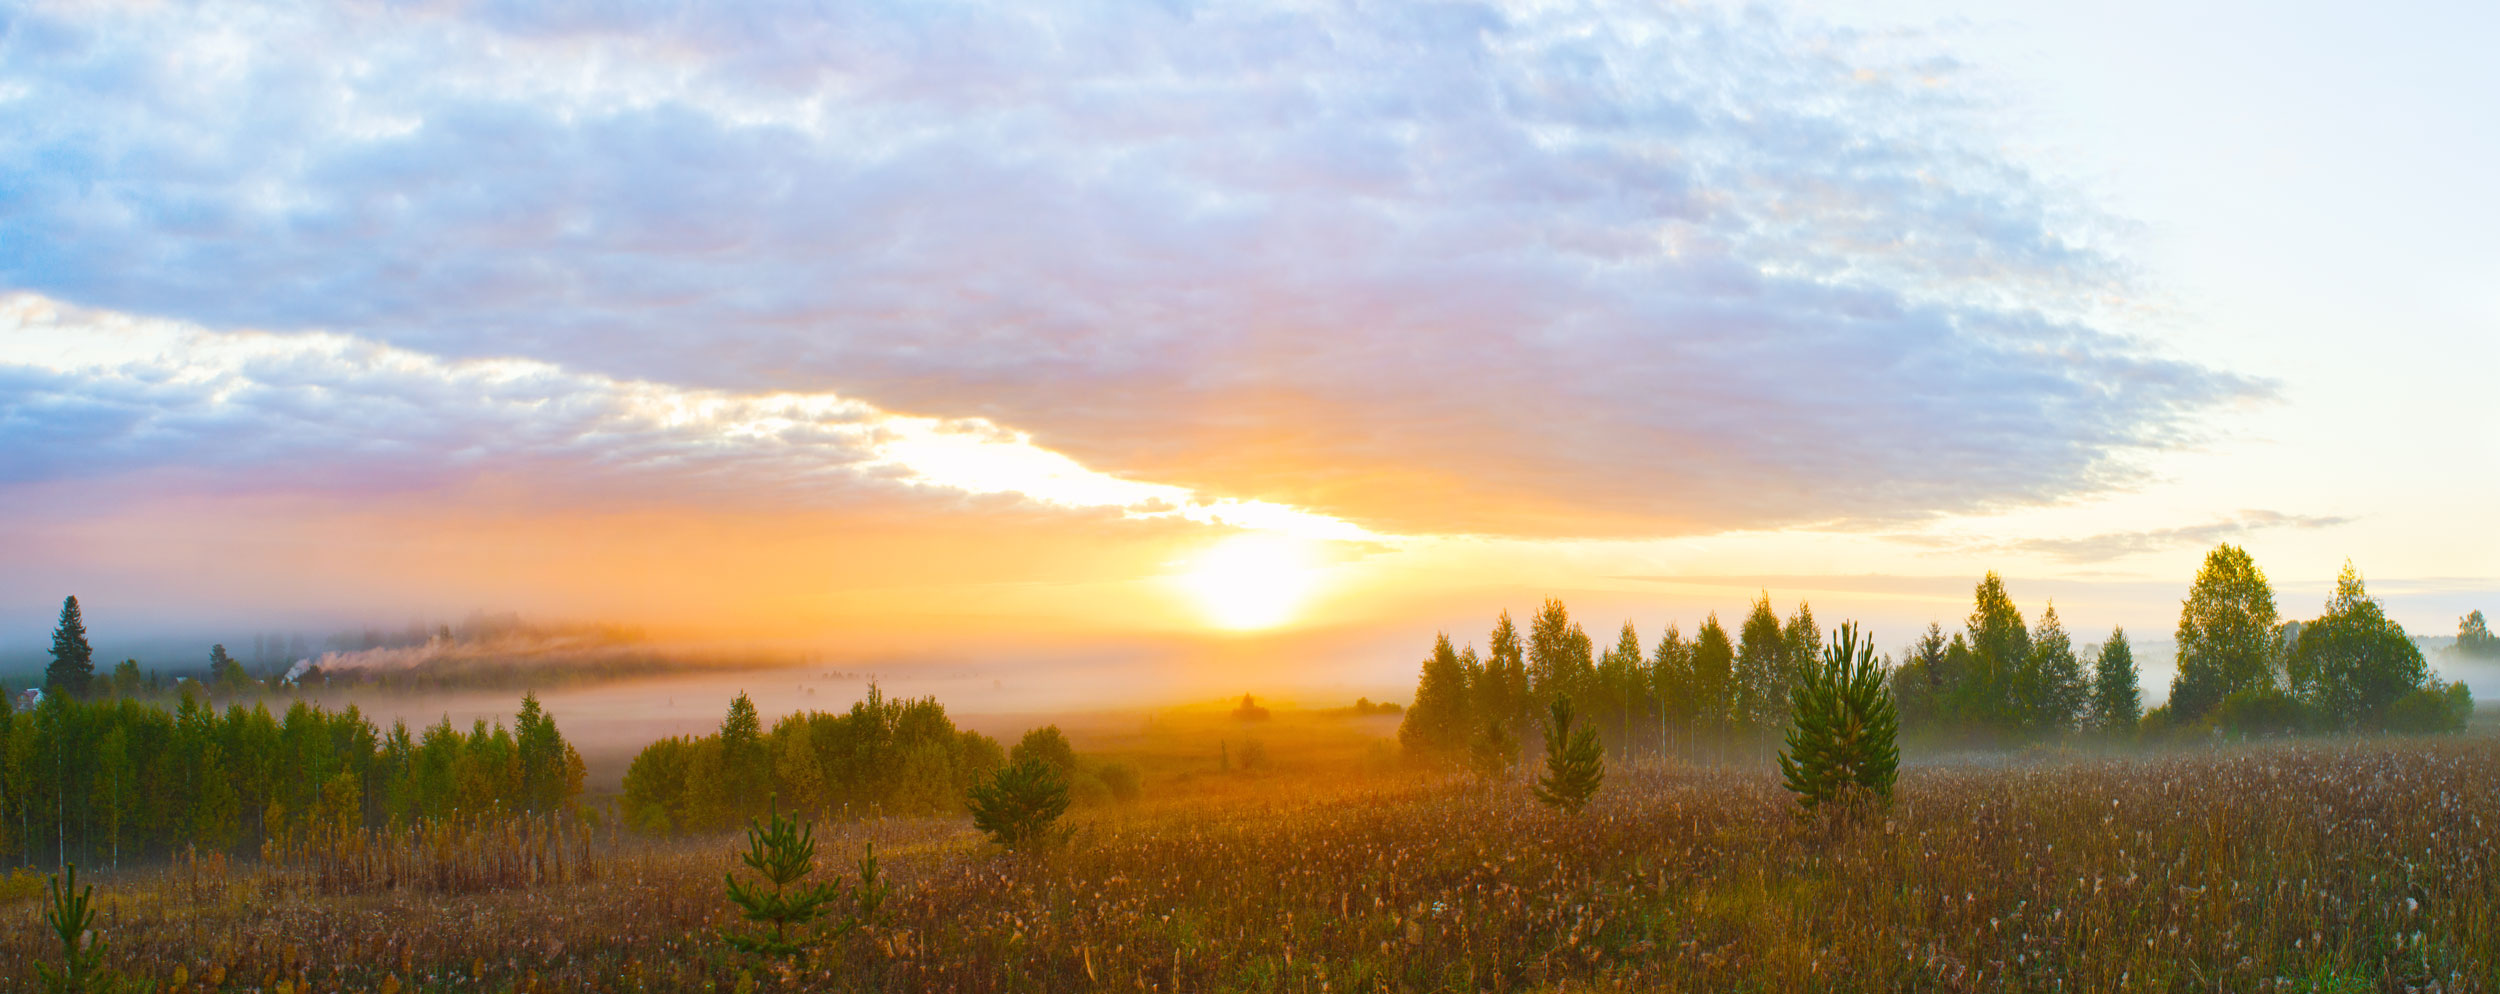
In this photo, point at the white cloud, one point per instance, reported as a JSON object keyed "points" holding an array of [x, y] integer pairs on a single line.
{"points": [[1538, 269]]}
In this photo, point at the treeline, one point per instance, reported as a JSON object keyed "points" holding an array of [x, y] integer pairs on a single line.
{"points": [[883, 756], [1997, 679], [99, 781]]}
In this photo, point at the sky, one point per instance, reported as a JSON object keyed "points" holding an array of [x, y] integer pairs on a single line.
{"points": [[1135, 353]]}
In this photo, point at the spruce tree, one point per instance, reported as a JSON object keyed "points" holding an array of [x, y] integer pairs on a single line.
{"points": [[73, 660], [1016, 808], [1574, 763], [1842, 744], [2116, 703]]}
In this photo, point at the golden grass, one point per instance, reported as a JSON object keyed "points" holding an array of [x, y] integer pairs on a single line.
{"points": [[2308, 866]]}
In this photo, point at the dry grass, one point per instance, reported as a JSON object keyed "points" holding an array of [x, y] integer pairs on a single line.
{"points": [[2310, 867]]}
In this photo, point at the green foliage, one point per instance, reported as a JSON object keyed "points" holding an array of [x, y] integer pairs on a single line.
{"points": [[82, 951], [1560, 655], [1761, 688], [2226, 633], [2436, 708], [1575, 765], [782, 852], [226, 674], [2354, 661], [1018, 806], [2474, 638], [73, 660], [1502, 696], [1047, 745], [1842, 745], [99, 780], [2117, 704], [1493, 751], [2262, 711], [884, 755], [2052, 692], [1713, 678]]}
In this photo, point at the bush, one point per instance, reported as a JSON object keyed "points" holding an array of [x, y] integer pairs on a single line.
{"points": [[1842, 745], [2432, 709], [2262, 711], [1122, 779], [1017, 807]]}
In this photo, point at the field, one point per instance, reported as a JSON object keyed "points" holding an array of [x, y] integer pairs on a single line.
{"points": [[2310, 866]]}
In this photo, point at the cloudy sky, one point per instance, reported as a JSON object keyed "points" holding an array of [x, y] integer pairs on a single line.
{"points": [[1239, 343]]}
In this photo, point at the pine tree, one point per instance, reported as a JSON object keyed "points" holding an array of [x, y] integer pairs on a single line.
{"points": [[2116, 704], [783, 853], [82, 952], [1574, 762], [2058, 695], [73, 660], [1016, 808], [1842, 745]]}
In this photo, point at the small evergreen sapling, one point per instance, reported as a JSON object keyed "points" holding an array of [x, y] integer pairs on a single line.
{"points": [[1842, 743], [1574, 762], [783, 852], [1018, 805], [82, 956]]}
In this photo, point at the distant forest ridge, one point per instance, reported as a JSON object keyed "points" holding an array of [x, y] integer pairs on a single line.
{"points": [[482, 652]]}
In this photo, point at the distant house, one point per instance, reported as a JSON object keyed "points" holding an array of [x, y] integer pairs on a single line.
{"points": [[28, 698]]}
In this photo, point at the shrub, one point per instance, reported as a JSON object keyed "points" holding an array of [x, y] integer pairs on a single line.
{"points": [[783, 853], [2262, 711], [1122, 779], [1016, 808], [2427, 710]]}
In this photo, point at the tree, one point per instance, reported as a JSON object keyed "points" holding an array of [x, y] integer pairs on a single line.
{"points": [[1714, 678], [1671, 684], [1553, 669], [1761, 685], [1574, 762], [73, 660], [550, 769], [225, 673], [1436, 726], [2000, 650], [1047, 745], [2474, 638], [1504, 697], [2354, 661], [82, 951], [1918, 684], [745, 765], [1492, 752], [2116, 703], [1622, 683], [1016, 808], [2226, 633], [1843, 742], [783, 853], [2057, 694]]}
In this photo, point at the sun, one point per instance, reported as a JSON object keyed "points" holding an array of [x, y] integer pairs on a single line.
{"points": [[1251, 581]]}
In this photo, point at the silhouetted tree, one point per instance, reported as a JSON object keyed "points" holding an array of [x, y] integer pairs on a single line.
{"points": [[1761, 657], [2474, 637], [73, 660]]}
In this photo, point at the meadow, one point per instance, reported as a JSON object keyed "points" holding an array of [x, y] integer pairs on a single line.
{"points": [[2310, 865]]}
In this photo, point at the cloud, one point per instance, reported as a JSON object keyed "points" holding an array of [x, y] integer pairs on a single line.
{"points": [[90, 393], [1561, 270], [2118, 545]]}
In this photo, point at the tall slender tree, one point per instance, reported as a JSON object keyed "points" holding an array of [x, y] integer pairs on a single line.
{"points": [[1761, 650], [1714, 681], [2116, 704], [2057, 693], [73, 660], [2000, 650]]}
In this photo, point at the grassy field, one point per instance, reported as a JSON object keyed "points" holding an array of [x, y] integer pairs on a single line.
{"points": [[2354, 866]]}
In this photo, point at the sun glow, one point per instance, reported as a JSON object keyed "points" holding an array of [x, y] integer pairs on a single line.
{"points": [[1251, 581]]}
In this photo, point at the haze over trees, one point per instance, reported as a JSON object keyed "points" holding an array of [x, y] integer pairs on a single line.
{"points": [[1998, 678]]}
